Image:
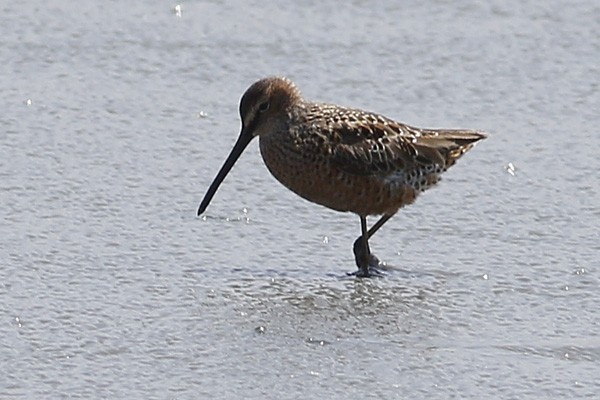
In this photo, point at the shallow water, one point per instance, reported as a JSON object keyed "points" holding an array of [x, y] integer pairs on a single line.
{"points": [[116, 117]]}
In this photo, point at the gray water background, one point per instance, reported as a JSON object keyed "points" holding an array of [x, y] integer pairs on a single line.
{"points": [[115, 117]]}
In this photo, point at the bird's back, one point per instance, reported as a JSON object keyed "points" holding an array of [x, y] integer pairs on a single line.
{"points": [[365, 143]]}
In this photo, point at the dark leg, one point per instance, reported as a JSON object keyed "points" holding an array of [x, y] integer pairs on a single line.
{"points": [[379, 224], [362, 252], [361, 244]]}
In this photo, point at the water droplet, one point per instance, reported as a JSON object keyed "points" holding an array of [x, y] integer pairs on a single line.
{"points": [[510, 168], [178, 10], [319, 342]]}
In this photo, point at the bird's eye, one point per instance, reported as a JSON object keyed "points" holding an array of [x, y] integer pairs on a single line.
{"points": [[263, 106]]}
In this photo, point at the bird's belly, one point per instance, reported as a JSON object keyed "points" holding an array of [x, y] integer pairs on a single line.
{"points": [[320, 182]]}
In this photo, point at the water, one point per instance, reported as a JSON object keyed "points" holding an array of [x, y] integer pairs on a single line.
{"points": [[116, 117]]}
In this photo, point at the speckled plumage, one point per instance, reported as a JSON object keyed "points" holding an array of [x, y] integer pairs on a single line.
{"points": [[345, 159], [352, 160]]}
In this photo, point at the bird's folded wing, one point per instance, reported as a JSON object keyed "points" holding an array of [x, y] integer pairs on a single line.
{"points": [[382, 148]]}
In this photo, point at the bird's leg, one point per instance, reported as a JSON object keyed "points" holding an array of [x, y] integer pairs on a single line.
{"points": [[362, 252]]}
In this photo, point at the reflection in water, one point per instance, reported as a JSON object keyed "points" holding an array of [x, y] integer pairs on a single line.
{"points": [[308, 309]]}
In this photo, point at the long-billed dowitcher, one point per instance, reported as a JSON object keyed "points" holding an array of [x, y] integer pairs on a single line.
{"points": [[342, 158]]}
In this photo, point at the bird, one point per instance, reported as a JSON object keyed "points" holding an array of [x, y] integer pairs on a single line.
{"points": [[345, 159]]}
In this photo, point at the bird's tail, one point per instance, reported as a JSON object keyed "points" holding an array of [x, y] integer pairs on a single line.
{"points": [[450, 144]]}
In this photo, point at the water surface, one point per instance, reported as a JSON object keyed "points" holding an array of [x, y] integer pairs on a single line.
{"points": [[116, 117]]}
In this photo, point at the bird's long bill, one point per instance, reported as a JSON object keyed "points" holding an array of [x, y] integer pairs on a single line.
{"points": [[237, 150]]}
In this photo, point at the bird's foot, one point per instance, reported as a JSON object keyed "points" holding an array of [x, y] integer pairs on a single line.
{"points": [[370, 272]]}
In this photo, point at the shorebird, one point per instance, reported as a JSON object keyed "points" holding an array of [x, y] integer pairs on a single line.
{"points": [[343, 158]]}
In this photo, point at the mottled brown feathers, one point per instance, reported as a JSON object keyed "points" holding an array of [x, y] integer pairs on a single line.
{"points": [[364, 143], [343, 158]]}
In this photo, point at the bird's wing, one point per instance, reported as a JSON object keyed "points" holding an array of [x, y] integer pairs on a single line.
{"points": [[364, 143]]}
